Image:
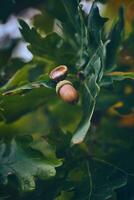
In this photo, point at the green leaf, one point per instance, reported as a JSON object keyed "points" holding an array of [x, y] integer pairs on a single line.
{"points": [[57, 9], [15, 106], [41, 145], [19, 77], [20, 159], [71, 9], [105, 178], [23, 82], [95, 25], [96, 63], [115, 37], [66, 11], [20, 84], [97, 48], [37, 42], [51, 49], [91, 90], [101, 180], [65, 196], [119, 76], [28, 87], [93, 72]]}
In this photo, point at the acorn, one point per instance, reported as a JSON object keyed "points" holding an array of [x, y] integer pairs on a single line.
{"points": [[58, 73], [67, 92]]}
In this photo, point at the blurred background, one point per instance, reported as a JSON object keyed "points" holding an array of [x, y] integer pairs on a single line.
{"points": [[30, 11]]}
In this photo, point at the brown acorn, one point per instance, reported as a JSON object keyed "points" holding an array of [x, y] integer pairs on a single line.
{"points": [[58, 73], [67, 92]]}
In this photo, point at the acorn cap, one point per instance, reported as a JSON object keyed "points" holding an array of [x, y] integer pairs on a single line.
{"points": [[58, 73], [61, 83]]}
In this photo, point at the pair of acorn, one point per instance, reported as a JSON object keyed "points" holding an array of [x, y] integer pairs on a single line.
{"points": [[64, 88]]}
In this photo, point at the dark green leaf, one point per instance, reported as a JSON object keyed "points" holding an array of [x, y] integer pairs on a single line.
{"points": [[98, 180], [25, 163], [95, 25], [115, 37], [91, 90], [105, 178], [19, 77], [51, 49], [18, 105], [93, 73], [28, 87]]}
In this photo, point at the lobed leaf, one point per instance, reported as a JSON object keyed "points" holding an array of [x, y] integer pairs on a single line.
{"points": [[105, 178], [93, 73], [98, 180], [25, 163]]}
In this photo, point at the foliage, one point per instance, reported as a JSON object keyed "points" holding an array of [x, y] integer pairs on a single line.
{"points": [[49, 149]]}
